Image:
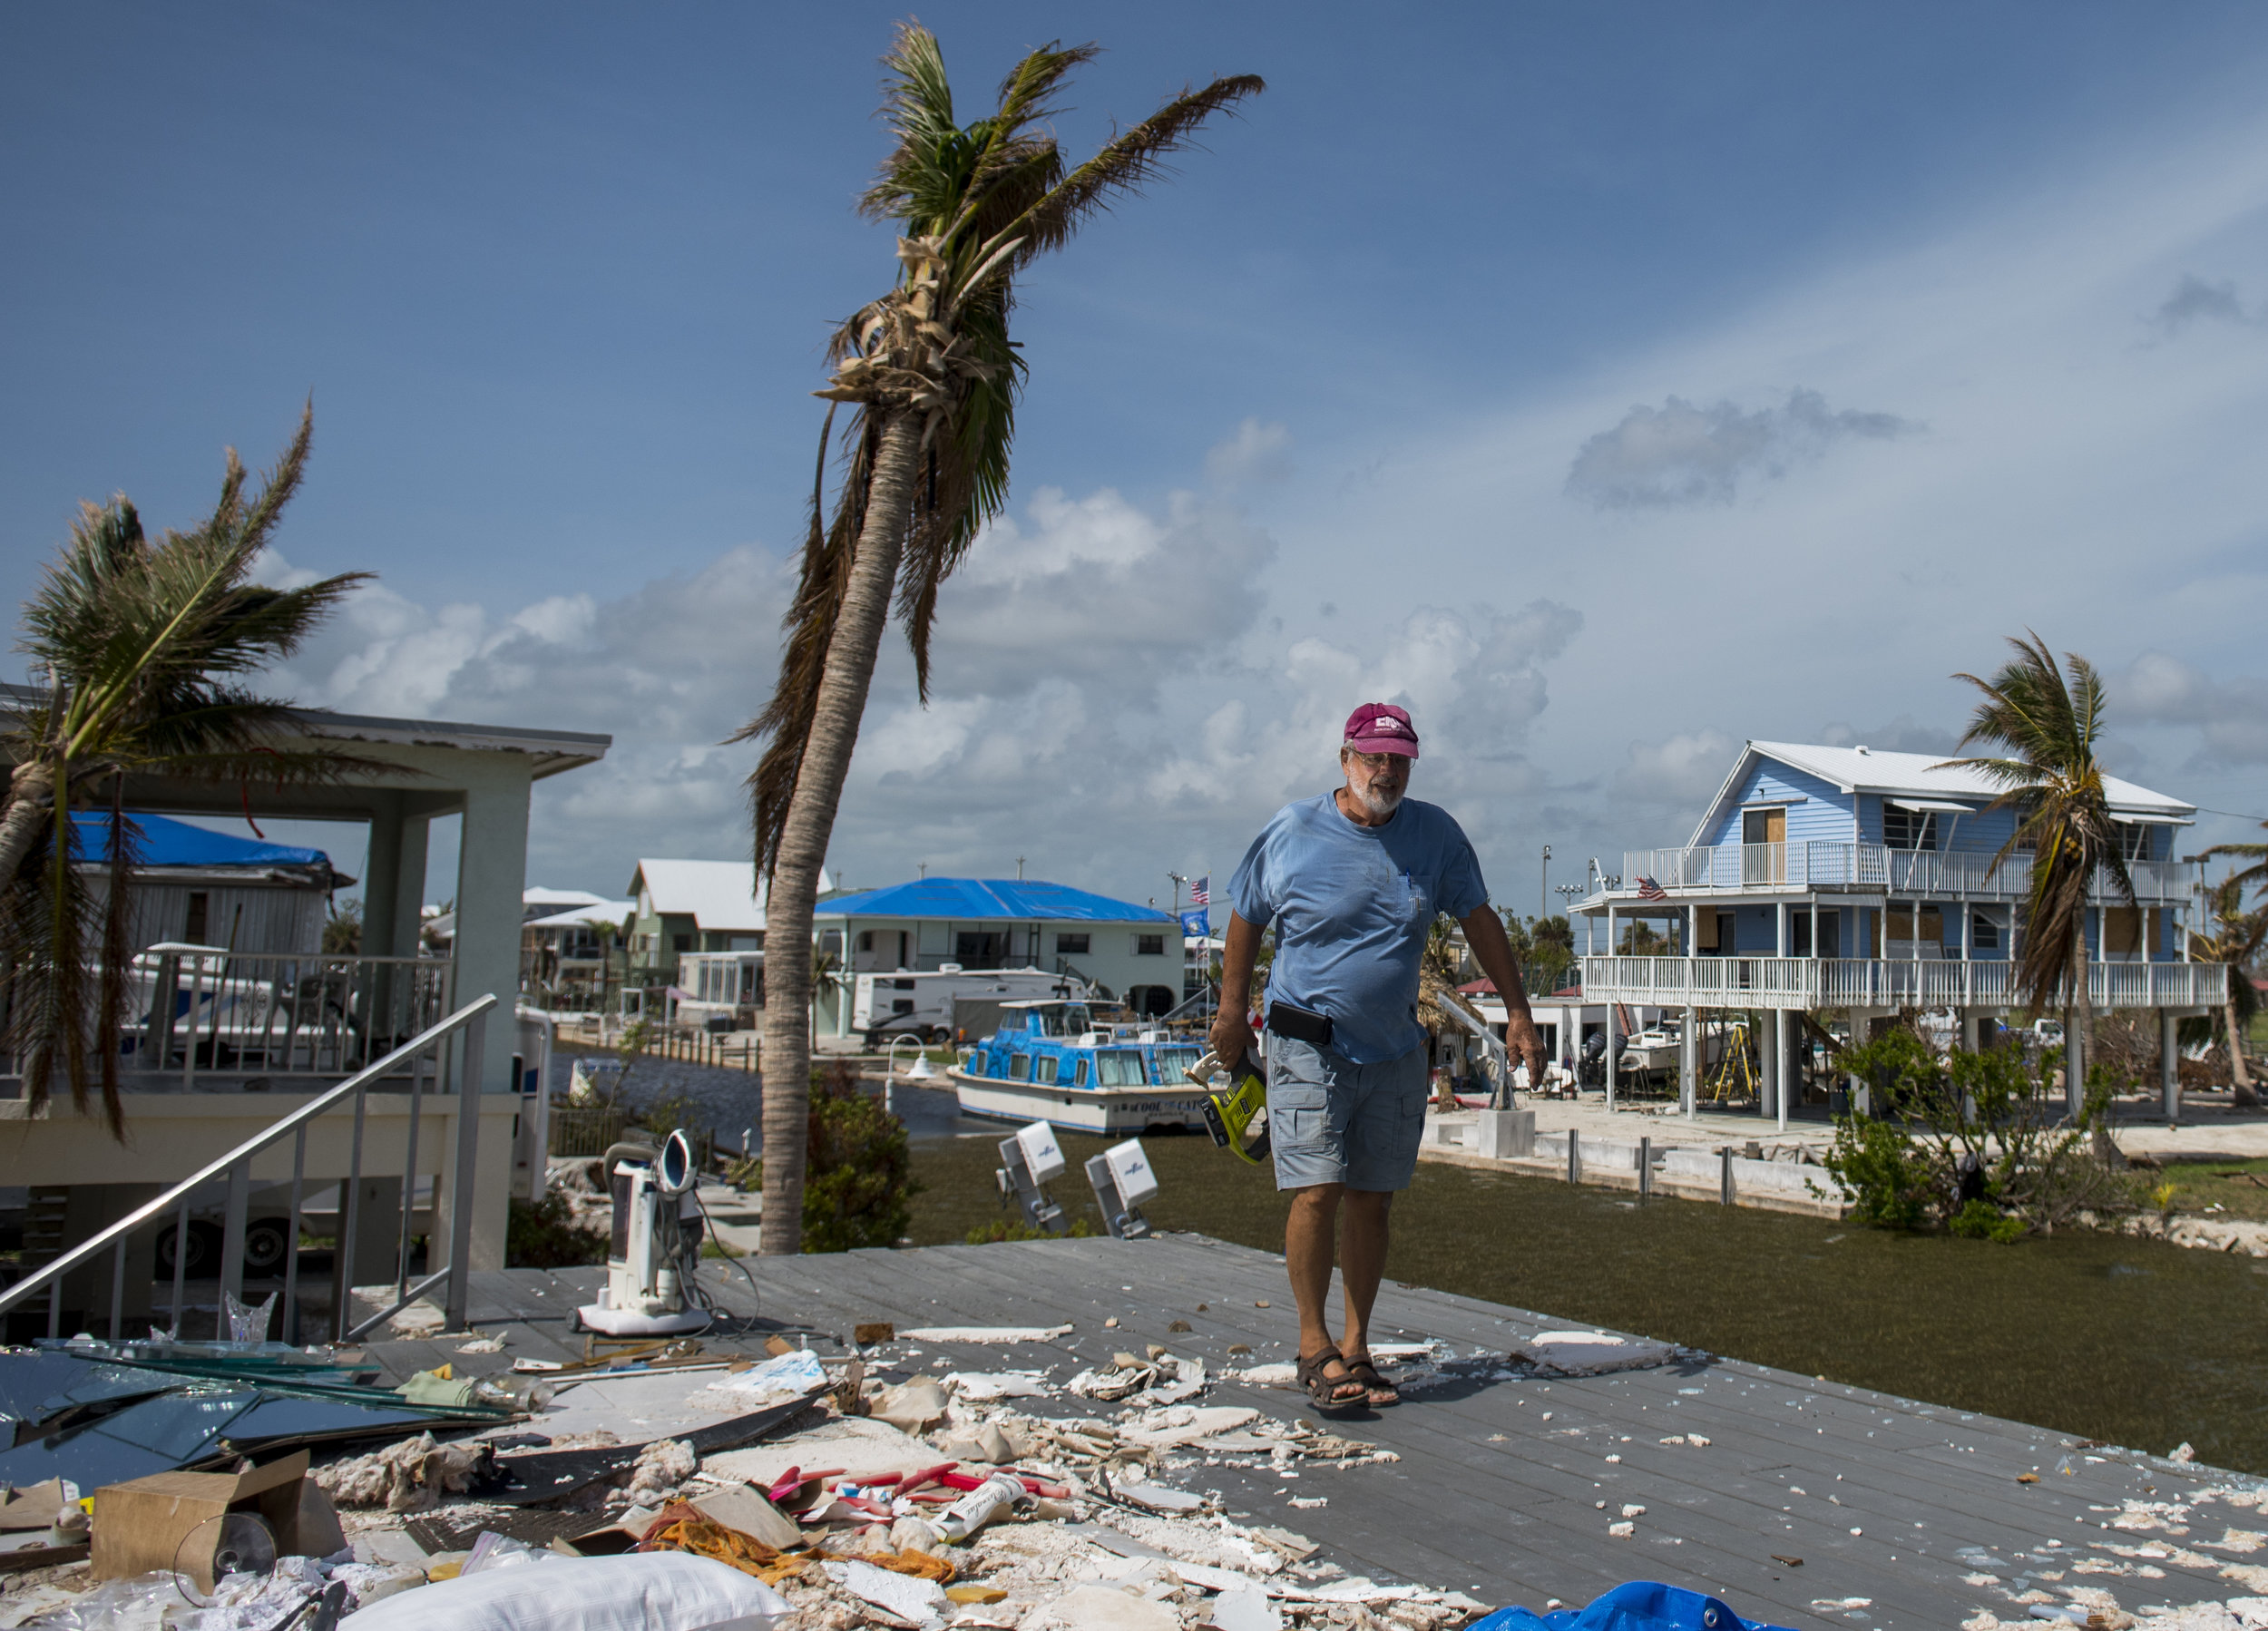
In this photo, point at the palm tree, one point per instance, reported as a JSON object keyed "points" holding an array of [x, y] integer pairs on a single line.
{"points": [[931, 378], [138, 651], [2050, 777], [2235, 941]]}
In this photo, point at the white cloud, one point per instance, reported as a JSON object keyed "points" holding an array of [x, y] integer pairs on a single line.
{"points": [[1258, 451], [2230, 716], [1108, 700], [1682, 771], [1678, 453]]}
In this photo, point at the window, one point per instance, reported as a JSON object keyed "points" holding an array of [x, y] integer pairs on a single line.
{"points": [[975, 1066], [1119, 1067], [901, 1005], [200, 905], [1072, 945], [903, 985], [1984, 934], [1149, 945], [2134, 840], [1048, 1065], [682, 942], [1079, 1077], [1908, 829], [1020, 1066], [1174, 1062]]}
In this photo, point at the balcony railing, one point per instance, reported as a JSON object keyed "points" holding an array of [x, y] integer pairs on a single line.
{"points": [[1817, 864], [1881, 983], [191, 1009], [426, 1059]]}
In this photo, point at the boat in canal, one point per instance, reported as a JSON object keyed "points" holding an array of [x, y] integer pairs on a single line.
{"points": [[1055, 1062]]}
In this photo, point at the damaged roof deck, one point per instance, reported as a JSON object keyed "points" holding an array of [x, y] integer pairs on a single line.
{"points": [[1904, 1514]]}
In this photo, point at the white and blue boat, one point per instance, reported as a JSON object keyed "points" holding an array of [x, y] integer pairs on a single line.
{"points": [[1053, 1061]]}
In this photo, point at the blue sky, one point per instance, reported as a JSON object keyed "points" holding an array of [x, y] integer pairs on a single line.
{"points": [[1611, 383]]}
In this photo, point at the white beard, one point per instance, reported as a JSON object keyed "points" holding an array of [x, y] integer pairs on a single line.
{"points": [[1378, 807]]}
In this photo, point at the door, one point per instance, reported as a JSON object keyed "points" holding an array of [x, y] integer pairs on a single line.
{"points": [[1763, 847]]}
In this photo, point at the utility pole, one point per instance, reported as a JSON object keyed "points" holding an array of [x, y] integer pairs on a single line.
{"points": [[1018, 869], [1543, 891], [1178, 881]]}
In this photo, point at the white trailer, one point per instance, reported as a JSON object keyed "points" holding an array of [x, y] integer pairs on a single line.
{"points": [[921, 1004]]}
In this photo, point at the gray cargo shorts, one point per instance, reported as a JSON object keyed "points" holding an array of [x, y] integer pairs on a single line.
{"points": [[1333, 1121]]}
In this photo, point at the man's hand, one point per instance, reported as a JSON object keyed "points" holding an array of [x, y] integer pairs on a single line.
{"points": [[1230, 1037], [1523, 1041], [1484, 932]]}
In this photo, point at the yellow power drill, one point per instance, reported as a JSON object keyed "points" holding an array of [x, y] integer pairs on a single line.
{"points": [[1229, 1113]]}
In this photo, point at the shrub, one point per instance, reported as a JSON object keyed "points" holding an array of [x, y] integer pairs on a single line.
{"points": [[544, 1235], [858, 1182], [1006, 1228], [1972, 1142], [1981, 1220]]}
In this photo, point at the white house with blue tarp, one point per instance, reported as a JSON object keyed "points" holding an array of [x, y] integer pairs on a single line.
{"points": [[1133, 952], [192, 885], [1864, 881]]}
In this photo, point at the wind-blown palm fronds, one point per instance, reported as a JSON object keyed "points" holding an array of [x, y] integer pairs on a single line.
{"points": [[2235, 940], [931, 379], [140, 651], [2050, 777]]}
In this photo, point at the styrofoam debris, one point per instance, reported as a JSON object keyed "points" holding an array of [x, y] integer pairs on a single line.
{"points": [[985, 1333], [923, 1602], [983, 1386]]}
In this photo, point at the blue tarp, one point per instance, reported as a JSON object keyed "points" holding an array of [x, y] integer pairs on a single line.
{"points": [[1636, 1606], [967, 899], [160, 841]]}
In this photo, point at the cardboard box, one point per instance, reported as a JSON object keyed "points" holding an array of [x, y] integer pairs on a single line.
{"points": [[154, 1522]]}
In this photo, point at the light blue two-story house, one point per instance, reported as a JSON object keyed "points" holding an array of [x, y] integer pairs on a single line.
{"points": [[1866, 881]]}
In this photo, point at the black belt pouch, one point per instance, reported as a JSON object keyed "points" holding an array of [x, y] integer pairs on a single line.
{"points": [[1300, 1024]]}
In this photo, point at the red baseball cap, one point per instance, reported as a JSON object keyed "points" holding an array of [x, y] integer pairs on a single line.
{"points": [[1381, 727]]}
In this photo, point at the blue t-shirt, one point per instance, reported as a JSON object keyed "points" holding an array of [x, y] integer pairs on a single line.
{"points": [[1352, 906]]}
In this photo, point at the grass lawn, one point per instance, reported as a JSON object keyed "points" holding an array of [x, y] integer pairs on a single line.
{"points": [[2239, 1187], [2110, 1337]]}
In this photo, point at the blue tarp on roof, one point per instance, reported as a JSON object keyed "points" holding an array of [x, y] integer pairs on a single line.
{"points": [[164, 842], [971, 898]]}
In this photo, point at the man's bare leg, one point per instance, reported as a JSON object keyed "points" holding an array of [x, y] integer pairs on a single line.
{"points": [[1308, 1235], [1363, 1263]]}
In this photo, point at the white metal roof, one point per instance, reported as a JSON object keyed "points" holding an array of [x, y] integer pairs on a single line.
{"points": [[593, 909], [537, 896], [1920, 775], [720, 896]]}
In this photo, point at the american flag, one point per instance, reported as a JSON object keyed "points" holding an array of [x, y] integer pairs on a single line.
{"points": [[1201, 892], [1649, 890]]}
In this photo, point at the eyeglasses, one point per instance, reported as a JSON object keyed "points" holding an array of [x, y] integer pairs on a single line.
{"points": [[1375, 761]]}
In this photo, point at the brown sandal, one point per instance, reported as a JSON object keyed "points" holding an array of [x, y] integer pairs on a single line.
{"points": [[1378, 1392], [1326, 1392]]}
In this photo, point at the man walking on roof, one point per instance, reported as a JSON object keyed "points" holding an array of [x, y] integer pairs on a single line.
{"points": [[1353, 880]]}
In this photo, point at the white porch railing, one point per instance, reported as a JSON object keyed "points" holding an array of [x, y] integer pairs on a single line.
{"points": [[1881, 983], [191, 1009], [426, 1058], [1817, 864]]}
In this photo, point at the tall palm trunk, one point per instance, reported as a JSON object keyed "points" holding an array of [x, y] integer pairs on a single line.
{"points": [[827, 756], [29, 791], [2078, 1017], [2240, 1078]]}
